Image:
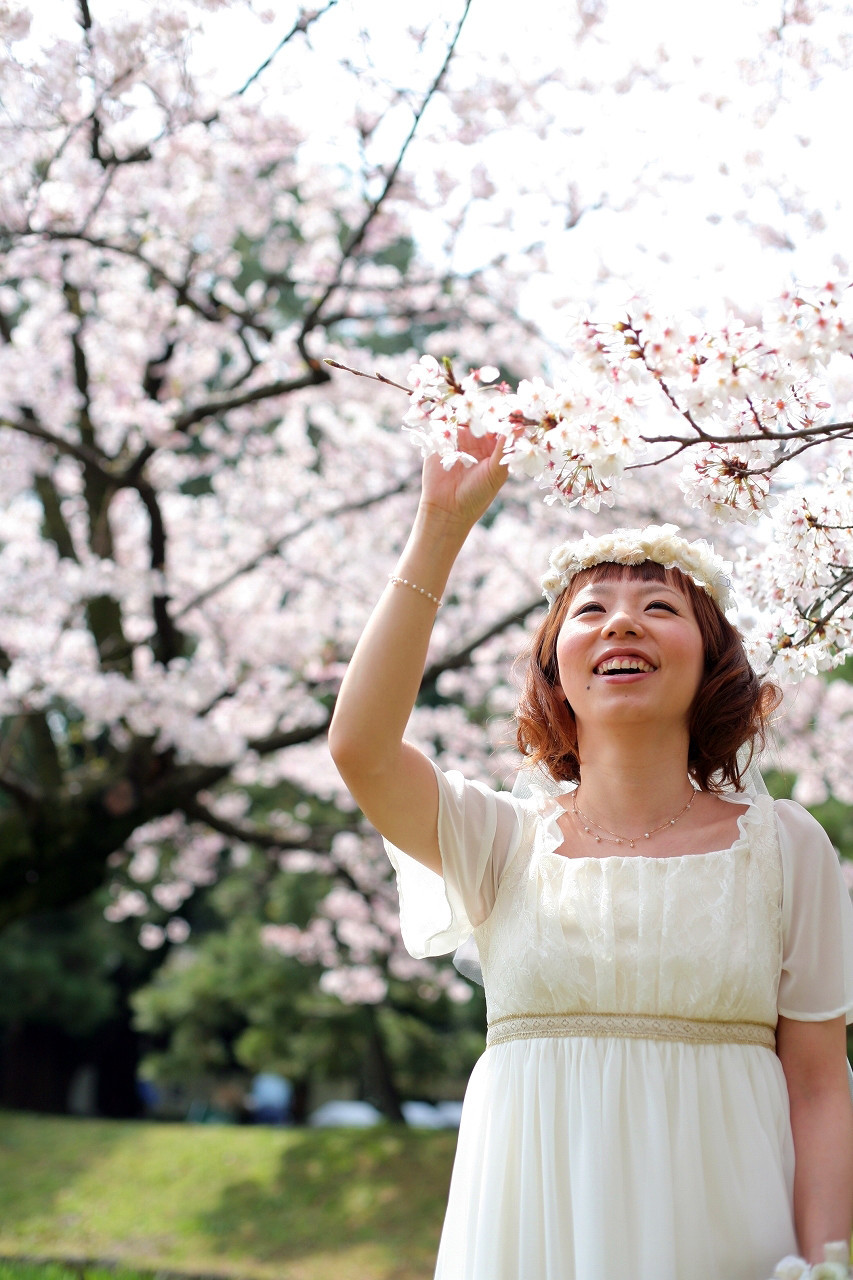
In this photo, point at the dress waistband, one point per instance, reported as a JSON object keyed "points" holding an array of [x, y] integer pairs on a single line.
{"points": [[634, 1026]]}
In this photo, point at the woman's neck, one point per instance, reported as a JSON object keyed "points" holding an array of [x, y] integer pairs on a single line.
{"points": [[633, 785]]}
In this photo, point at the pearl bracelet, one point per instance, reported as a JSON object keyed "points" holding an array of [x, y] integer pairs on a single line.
{"points": [[404, 582]]}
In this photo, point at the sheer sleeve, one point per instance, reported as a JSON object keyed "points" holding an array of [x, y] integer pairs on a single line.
{"points": [[817, 921], [478, 834]]}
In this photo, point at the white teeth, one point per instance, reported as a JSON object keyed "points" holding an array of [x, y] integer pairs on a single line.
{"points": [[622, 664]]}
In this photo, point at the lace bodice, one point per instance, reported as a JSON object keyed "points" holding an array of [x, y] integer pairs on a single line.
{"points": [[697, 936], [741, 934]]}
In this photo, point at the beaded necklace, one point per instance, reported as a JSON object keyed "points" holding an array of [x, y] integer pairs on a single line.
{"points": [[587, 823]]}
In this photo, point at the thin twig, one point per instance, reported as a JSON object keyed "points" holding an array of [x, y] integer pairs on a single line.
{"points": [[302, 23], [825, 429], [375, 377]]}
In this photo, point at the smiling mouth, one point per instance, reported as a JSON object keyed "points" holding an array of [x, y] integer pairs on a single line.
{"points": [[623, 666]]}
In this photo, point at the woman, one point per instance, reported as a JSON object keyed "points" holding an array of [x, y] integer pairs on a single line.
{"points": [[668, 963]]}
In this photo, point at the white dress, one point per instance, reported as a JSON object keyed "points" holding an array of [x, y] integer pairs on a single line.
{"points": [[635, 1156]]}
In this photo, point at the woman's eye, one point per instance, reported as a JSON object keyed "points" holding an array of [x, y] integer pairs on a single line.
{"points": [[591, 608], [661, 604]]}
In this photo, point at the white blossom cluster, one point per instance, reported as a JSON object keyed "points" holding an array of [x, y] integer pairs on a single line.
{"points": [[742, 407], [658, 543], [355, 935], [811, 739], [835, 1266], [571, 443], [744, 393]]}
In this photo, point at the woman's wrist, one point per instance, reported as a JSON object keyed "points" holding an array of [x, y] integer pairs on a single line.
{"points": [[430, 552], [450, 527]]}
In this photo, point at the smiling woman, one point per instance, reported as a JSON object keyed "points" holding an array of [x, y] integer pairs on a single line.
{"points": [[667, 954]]}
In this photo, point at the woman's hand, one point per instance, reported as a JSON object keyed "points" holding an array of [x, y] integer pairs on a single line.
{"points": [[464, 493]]}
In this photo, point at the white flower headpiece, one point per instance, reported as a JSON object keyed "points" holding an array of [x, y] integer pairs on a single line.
{"points": [[658, 542]]}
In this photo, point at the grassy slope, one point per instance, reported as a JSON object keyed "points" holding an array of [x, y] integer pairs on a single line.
{"points": [[263, 1203], [56, 1271]]}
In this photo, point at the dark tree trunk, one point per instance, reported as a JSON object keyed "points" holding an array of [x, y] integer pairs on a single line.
{"points": [[37, 1064], [300, 1103], [116, 1057], [378, 1084], [54, 849]]}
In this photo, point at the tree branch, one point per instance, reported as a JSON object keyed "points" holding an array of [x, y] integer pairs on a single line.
{"points": [[213, 312], [107, 160], [169, 641], [30, 426], [684, 413], [843, 589], [272, 548], [291, 737], [302, 23], [450, 662], [225, 404], [103, 612], [462, 657], [317, 840], [817, 433], [355, 239], [54, 521]]}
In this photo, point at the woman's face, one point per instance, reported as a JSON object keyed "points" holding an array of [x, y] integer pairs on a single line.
{"points": [[630, 650]]}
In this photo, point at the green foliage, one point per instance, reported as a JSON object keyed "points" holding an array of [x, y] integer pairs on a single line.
{"points": [[60, 968], [227, 1003]]}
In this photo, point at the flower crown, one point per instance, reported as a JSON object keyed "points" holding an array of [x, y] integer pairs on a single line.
{"points": [[658, 542]]}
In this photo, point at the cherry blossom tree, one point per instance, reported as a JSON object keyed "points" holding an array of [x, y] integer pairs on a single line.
{"points": [[197, 515]]}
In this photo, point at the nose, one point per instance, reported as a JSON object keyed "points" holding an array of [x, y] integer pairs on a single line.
{"points": [[622, 622]]}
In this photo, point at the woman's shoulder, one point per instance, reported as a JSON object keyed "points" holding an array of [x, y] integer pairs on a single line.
{"points": [[460, 785], [789, 818], [527, 795], [800, 832], [478, 805]]}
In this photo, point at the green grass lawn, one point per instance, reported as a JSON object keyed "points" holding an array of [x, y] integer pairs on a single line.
{"points": [[264, 1204], [57, 1271]]}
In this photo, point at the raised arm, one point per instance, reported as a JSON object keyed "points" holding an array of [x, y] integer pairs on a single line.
{"points": [[390, 780]]}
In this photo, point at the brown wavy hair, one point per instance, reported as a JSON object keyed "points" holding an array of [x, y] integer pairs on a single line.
{"points": [[732, 706]]}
